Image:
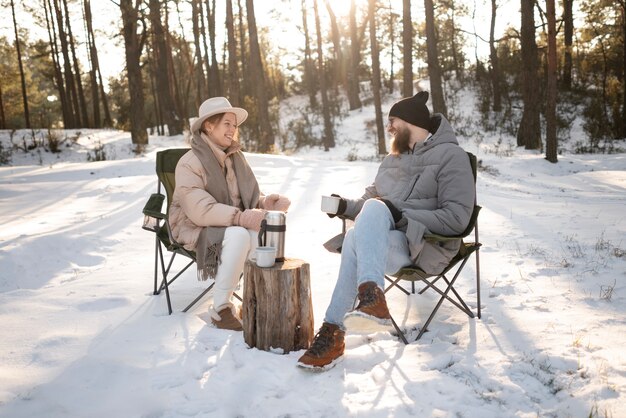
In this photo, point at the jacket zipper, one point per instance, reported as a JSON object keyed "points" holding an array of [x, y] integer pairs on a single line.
{"points": [[412, 187]]}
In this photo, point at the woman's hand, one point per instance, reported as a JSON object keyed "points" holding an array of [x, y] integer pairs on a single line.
{"points": [[276, 202], [250, 218]]}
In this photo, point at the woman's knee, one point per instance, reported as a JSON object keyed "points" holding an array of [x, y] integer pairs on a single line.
{"points": [[237, 236]]}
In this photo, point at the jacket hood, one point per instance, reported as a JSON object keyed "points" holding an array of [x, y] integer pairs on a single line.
{"points": [[442, 133]]}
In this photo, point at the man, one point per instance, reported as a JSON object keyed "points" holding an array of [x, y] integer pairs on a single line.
{"points": [[425, 185]]}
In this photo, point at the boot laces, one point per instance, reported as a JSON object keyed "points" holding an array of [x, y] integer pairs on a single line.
{"points": [[368, 297], [321, 342]]}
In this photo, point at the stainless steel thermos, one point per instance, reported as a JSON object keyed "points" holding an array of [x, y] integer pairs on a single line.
{"points": [[272, 233]]}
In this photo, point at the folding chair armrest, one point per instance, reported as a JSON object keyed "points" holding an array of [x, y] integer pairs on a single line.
{"points": [[442, 238], [154, 206]]}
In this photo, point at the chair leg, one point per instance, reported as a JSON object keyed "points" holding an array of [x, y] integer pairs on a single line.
{"points": [[204, 292], [395, 283], [421, 292], [156, 263], [460, 299], [432, 314], [399, 331], [478, 282], [164, 281], [431, 285]]}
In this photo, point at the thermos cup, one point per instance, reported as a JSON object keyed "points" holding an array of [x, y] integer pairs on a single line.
{"points": [[272, 233]]}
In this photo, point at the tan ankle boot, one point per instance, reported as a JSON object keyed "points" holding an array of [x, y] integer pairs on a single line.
{"points": [[326, 350], [227, 320]]}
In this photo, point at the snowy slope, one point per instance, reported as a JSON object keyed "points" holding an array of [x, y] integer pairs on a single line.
{"points": [[82, 335]]}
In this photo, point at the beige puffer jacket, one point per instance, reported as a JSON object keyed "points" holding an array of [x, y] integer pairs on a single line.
{"points": [[192, 206]]}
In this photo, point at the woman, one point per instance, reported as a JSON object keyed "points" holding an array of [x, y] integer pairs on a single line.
{"points": [[217, 208]]}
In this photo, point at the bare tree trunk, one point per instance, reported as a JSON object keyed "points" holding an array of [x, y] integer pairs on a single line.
{"points": [[340, 65], [309, 77], [495, 63], [529, 132], [199, 73], [3, 124], [622, 130], [376, 84], [214, 75], [355, 61], [90, 44], [156, 102], [133, 44], [82, 103], [21, 67], [179, 90], [108, 121], [205, 47], [233, 64], [568, 35], [70, 85], [164, 89], [434, 68], [329, 137], [551, 139], [392, 45], [243, 49], [458, 68], [58, 75], [407, 49], [96, 67], [266, 140]]}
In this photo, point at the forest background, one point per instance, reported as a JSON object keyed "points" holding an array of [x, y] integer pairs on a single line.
{"points": [[536, 66]]}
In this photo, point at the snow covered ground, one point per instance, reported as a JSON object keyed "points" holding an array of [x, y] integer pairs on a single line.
{"points": [[83, 336]]}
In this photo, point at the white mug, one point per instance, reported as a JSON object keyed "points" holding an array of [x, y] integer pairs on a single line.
{"points": [[265, 256], [330, 204]]}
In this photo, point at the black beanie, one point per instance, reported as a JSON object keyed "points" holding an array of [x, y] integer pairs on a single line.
{"points": [[413, 110]]}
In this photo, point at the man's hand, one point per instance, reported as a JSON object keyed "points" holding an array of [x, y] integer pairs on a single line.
{"points": [[395, 212], [341, 208]]}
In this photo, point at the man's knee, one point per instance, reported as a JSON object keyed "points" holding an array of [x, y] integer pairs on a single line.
{"points": [[374, 204], [375, 207]]}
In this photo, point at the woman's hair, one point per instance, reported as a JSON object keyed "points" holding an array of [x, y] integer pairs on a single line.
{"points": [[214, 120]]}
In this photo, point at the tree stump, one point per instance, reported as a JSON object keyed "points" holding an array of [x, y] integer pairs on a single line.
{"points": [[277, 308]]}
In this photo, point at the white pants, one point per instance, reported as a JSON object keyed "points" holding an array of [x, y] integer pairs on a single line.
{"points": [[239, 244]]}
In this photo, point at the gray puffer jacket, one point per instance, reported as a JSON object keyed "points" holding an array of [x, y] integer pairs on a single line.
{"points": [[434, 189]]}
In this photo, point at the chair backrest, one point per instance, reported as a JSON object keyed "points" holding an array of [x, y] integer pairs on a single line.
{"points": [[474, 218], [166, 161], [474, 164]]}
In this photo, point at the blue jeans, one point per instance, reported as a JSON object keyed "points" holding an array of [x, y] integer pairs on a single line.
{"points": [[370, 249]]}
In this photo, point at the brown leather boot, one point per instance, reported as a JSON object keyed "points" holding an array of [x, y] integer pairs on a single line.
{"points": [[228, 320], [371, 314], [326, 350]]}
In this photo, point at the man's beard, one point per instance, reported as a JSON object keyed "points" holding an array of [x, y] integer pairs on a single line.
{"points": [[400, 142]]}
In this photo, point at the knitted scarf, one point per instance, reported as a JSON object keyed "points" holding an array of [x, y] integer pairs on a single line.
{"points": [[209, 246]]}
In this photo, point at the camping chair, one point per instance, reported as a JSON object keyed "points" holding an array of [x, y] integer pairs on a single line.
{"points": [[156, 221], [414, 273]]}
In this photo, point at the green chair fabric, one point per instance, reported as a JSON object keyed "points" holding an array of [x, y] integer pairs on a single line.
{"points": [[164, 242]]}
